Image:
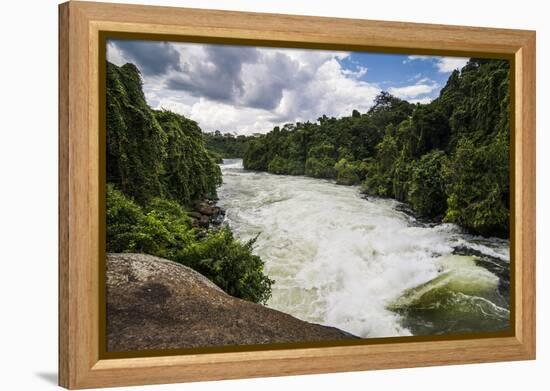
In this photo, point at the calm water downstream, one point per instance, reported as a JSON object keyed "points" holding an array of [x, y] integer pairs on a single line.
{"points": [[363, 265]]}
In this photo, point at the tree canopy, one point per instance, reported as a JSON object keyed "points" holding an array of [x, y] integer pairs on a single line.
{"points": [[226, 145], [157, 168], [153, 153], [448, 159]]}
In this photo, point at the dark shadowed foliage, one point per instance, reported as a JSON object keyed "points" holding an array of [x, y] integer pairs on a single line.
{"points": [[157, 169], [153, 153]]}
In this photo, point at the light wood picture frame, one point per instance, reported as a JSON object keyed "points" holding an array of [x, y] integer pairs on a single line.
{"points": [[83, 28]]}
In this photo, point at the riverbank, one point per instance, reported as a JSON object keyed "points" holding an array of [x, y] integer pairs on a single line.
{"points": [[206, 214]]}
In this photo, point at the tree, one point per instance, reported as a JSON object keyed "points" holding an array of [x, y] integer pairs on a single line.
{"points": [[347, 173], [448, 157], [427, 188], [157, 168], [153, 153], [135, 167], [477, 187]]}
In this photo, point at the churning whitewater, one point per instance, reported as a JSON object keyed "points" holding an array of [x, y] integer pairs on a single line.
{"points": [[362, 265]]}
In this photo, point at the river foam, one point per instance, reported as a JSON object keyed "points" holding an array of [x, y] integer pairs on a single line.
{"points": [[337, 258]]}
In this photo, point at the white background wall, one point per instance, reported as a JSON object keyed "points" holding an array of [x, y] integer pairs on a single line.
{"points": [[28, 194]]}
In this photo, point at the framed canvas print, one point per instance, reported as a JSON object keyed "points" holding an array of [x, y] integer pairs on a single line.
{"points": [[247, 195]]}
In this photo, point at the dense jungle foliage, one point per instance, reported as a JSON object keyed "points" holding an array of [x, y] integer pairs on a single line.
{"points": [[157, 169], [225, 146], [448, 159]]}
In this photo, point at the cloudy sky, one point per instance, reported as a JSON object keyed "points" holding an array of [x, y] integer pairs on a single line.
{"points": [[245, 90]]}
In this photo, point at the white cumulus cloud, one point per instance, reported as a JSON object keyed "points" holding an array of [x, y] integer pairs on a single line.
{"points": [[443, 64], [245, 90], [449, 64], [414, 91]]}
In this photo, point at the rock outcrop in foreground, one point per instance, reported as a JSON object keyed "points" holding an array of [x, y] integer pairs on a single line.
{"points": [[153, 303]]}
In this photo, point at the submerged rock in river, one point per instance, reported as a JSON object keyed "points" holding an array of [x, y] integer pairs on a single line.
{"points": [[153, 303]]}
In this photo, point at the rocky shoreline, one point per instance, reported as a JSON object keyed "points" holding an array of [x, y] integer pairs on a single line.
{"points": [[206, 214], [154, 303]]}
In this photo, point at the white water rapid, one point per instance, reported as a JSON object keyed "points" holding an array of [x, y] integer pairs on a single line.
{"points": [[341, 260]]}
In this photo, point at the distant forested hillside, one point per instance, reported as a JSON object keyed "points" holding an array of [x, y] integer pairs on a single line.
{"points": [[225, 146], [448, 159], [158, 171]]}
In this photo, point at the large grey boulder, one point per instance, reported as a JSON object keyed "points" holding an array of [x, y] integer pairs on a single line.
{"points": [[153, 303]]}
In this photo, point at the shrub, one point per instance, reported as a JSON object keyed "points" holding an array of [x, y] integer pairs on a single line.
{"points": [[347, 173], [123, 216], [321, 160], [230, 265], [320, 167], [282, 166], [162, 228]]}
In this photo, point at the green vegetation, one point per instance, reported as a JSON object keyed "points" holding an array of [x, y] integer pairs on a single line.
{"points": [[157, 168], [426, 187], [162, 228], [153, 153], [448, 159], [225, 146], [230, 265]]}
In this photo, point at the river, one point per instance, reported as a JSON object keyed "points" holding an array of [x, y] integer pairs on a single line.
{"points": [[364, 265]]}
